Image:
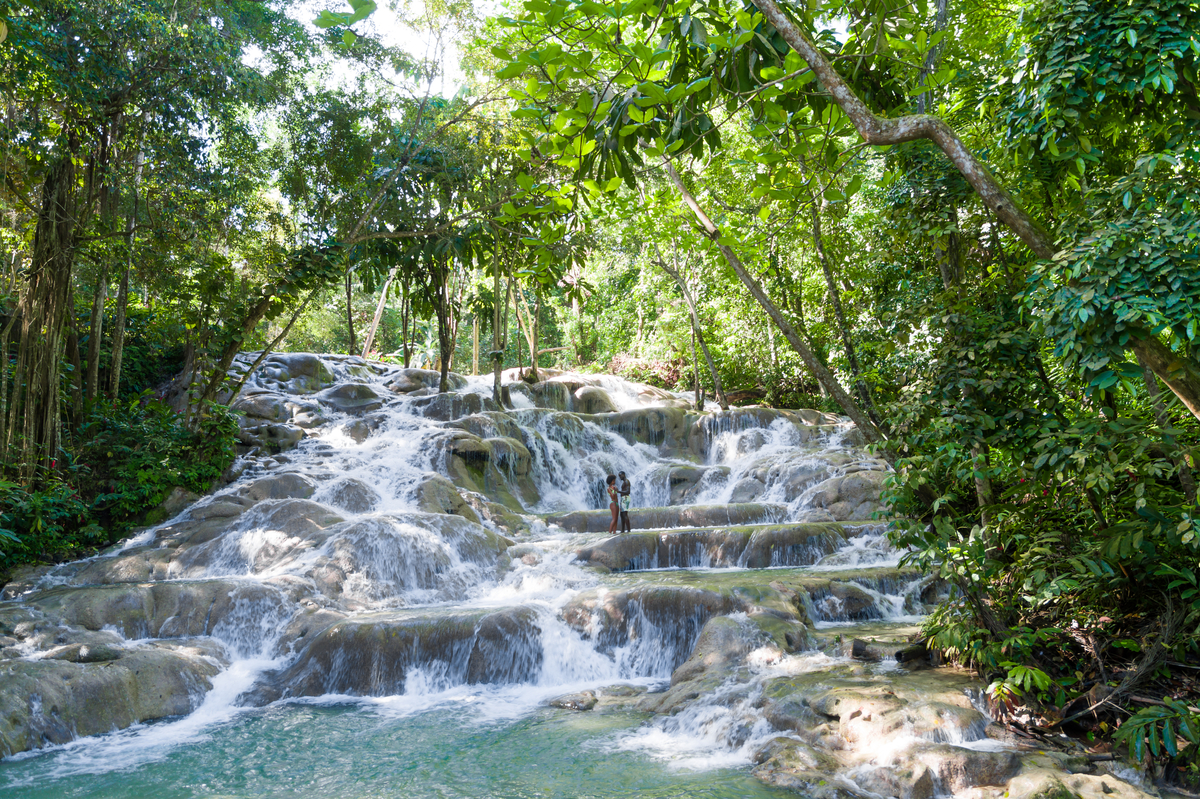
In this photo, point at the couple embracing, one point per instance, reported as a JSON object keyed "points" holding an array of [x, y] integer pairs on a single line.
{"points": [[618, 499]]}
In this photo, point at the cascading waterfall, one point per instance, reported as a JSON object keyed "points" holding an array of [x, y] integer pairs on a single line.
{"points": [[410, 551]]}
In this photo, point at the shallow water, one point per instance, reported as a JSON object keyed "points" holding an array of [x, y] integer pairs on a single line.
{"points": [[372, 750]]}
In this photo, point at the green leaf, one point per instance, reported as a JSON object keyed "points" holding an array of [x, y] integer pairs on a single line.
{"points": [[327, 19], [362, 10], [513, 70]]}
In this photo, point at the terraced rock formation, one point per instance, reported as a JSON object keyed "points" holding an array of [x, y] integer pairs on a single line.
{"points": [[381, 538]]}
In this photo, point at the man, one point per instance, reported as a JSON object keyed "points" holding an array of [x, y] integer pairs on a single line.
{"points": [[626, 487]]}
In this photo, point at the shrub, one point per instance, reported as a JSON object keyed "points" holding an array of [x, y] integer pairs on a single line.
{"points": [[661, 374], [126, 457]]}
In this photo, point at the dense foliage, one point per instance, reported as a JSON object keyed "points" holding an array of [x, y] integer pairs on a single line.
{"points": [[130, 455]]}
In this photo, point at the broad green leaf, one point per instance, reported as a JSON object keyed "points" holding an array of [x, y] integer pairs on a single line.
{"points": [[513, 70]]}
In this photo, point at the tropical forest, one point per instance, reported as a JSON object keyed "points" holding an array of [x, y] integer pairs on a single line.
{"points": [[600, 398]]}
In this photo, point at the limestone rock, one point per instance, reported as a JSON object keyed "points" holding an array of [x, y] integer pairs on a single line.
{"points": [[592, 399], [278, 486], [159, 610], [269, 436], [747, 490], [371, 654], [407, 381], [436, 494], [596, 521], [295, 372], [447, 407], [53, 701], [351, 495], [263, 405], [852, 497], [352, 398], [584, 700]]}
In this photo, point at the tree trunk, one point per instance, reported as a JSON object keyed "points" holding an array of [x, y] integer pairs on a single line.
{"points": [[118, 337], [534, 333], [379, 308], [880, 131], [475, 345], [1186, 480], [350, 312], [980, 452], [405, 313], [33, 419], [75, 382], [499, 327], [697, 334], [826, 378], [446, 329], [1179, 373], [528, 326], [939, 24], [835, 296], [118, 334], [96, 335]]}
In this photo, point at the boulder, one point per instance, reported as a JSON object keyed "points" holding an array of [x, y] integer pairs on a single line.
{"points": [[269, 436], [747, 489], [53, 701], [852, 497], [372, 654], [351, 495], [160, 610], [277, 486], [791, 545], [847, 602], [294, 373], [387, 557], [267, 406], [592, 399], [666, 428], [406, 381], [723, 643], [448, 407], [355, 399], [436, 494], [615, 619], [261, 541], [175, 503], [584, 700], [862, 486], [1049, 780], [751, 547]]}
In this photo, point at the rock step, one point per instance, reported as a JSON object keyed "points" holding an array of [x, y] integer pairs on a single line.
{"points": [[597, 521], [374, 654], [747, 546], [851, 595]]}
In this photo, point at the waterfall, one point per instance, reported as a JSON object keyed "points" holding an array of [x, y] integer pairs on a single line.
{"points": [[413, 548]]}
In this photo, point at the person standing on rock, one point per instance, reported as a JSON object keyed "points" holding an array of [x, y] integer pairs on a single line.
{"points": [[610, 483], [626, 487]]}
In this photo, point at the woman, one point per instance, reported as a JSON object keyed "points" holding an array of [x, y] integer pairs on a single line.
{"points": [[611, 481]]}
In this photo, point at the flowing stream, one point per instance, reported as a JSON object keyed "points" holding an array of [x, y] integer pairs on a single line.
{"points": [[398, 584]]}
